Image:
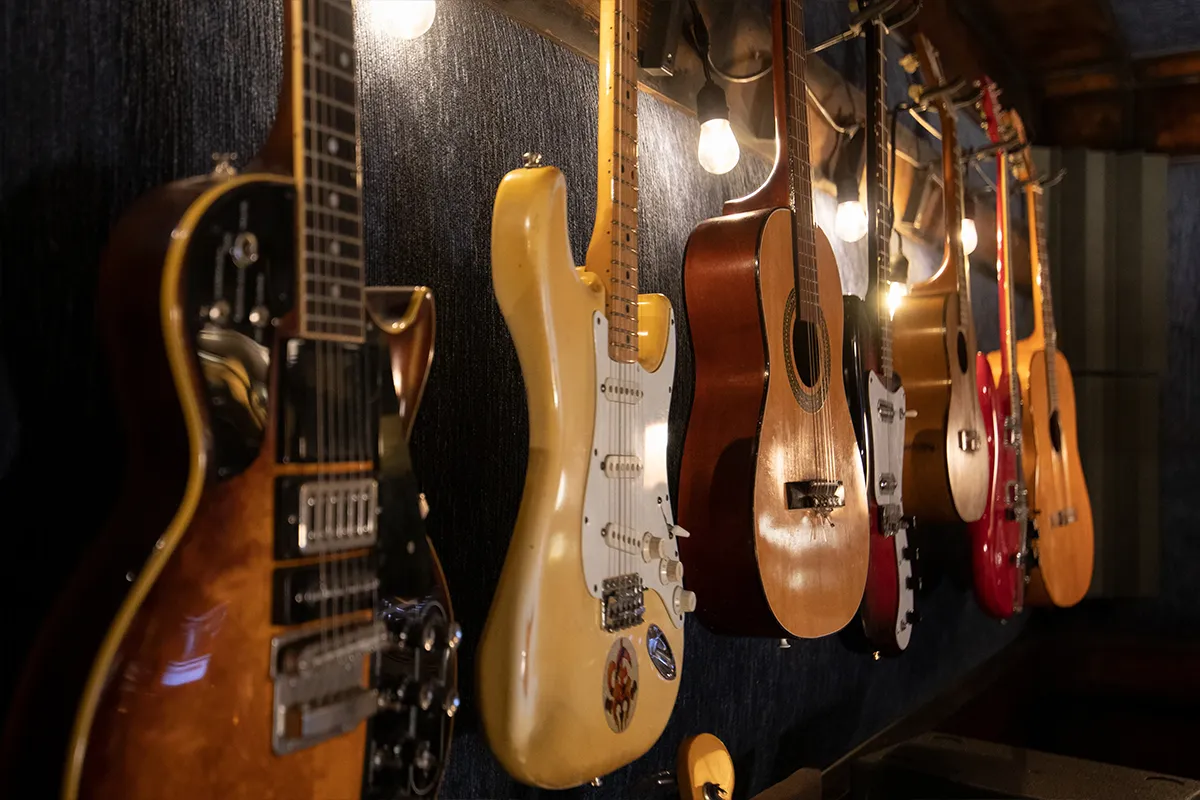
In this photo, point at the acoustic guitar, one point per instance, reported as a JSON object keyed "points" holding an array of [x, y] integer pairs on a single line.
{"points": [[771, 484], [274, 621], [1063, 547], [877, 399], [946, 464], [583, 647], [998, 538]]}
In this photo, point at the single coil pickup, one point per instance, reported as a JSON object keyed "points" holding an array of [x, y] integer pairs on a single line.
{"points": [[621, 391], [887, 411], [622, 467], [319, 591], [819, 495], [621, 538], [325, 514]]}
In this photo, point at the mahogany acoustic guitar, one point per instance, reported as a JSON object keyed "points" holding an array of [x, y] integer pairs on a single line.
{"points": [[877, 399], [998, 538], [771, 484], [269, 618], [946, 464], [1063, 547]]}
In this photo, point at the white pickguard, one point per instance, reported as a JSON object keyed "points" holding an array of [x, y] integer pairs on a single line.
{"points": [[631, 508], [887, 436]]}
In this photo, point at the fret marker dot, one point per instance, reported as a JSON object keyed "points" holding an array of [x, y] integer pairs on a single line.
{"points": [[344, 59], [333, 145], [317, 47], [335, 248], [334, 200], [335, 291]]}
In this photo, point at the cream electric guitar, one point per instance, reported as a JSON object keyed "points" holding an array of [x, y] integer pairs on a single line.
{"points": [[581, 654]]}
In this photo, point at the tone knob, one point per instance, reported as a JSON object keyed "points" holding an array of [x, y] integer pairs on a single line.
{"points": [[260, 316], [244, 250], [218, 312], [670, 570], [684, 601], [652, 548]]}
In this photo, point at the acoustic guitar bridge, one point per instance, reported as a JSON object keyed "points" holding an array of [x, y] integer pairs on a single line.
{"points": [[818, 495]]}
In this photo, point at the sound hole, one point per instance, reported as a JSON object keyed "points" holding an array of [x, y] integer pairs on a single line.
{"points": [[962, 352], [1055, 433], [806, 350]]}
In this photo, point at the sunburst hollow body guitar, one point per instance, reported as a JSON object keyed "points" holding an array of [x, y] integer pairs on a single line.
{"points": [[771, 483], [581, 655], [1063, 546], [946, 472], [279, 625]]}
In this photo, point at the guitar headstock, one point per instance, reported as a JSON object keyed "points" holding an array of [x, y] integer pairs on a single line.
{"points": [[1004, 127], [705, 769]]}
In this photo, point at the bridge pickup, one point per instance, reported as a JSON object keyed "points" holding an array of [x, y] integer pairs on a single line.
{"points": [[620, 391], [887, 411], [326, 515], [819, 495], [887, 483], [622, 604], [320, 591], [622, 467], [968, 441], [320, 686]]}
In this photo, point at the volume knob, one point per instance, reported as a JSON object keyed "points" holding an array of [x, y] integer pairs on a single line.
{"points": [[652, 548], [670, 571], [684, 601]]}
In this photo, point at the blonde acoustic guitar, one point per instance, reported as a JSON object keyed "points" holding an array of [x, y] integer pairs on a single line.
{"points": [[581, 654]]}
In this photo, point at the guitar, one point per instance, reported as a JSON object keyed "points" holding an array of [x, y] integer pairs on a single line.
{"points": [[771, 484], [877, 401], [998, 538], [946, 472], [584, 640], [274, 621], [1063, 538]]}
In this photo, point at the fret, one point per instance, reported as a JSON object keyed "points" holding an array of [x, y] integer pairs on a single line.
{"points": [[333, 302], [325, 85], [335, 17], [328, 35], [325, 270], [350, 286], [342, 189], [333, 102], [328, 213]]}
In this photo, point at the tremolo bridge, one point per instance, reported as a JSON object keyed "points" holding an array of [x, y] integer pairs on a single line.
{"points": [[819, 495], [622, 604]]}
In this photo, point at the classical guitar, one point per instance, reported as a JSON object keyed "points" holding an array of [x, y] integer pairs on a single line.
{"points": [[583, 645], [771, 483], [874, 391], [998, 538], [1062, 542], [946, 464], [274, 621]]}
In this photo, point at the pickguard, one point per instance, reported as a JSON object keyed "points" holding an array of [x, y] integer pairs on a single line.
{"points": [[627, 525], [887, 435], [905, 608]]}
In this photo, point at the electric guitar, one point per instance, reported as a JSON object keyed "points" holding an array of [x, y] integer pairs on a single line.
{"points": [[877, 401], [998, 538], [274, 621], [1062, 542], [946, 472], [771, 484], [583, 645]]}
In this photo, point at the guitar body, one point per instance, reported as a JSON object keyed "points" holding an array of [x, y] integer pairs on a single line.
{"points": [[758, 566], [562, 699], [996, 539], [1064, 548], [887, 612], [179, 696], [946, 466]]}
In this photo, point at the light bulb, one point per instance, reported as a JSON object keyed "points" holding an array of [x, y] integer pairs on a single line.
{"points": [[718, 151], [897, 291], [969, 236], [405, 19], [851, 221]]}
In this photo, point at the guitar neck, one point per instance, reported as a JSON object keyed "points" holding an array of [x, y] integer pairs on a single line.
{"points": [[1008, 333], [1043, 298], [952, 198], [613, 253], [322, 73], [878, 196], [807, 292]]}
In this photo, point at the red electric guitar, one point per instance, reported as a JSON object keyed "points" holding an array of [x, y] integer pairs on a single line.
{"points": [[998, 539]]}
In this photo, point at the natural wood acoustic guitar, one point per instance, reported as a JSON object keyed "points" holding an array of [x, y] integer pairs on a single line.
{"points": [[946, 472], [771, 483], [1062, 546], [264, 616], [580, 659]]}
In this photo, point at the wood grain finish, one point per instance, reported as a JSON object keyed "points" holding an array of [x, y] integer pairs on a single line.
{"points": [[407, 315], [542, 655]]}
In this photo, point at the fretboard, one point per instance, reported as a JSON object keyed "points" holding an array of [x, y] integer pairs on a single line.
{"points": [[331, 279], [878, 199], [954, 218], [1038, 209], [613, 253], [807, 291], [1008, 327]]}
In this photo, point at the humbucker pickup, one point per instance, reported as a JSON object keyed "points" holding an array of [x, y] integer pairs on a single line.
{"points": [[323, 590], [819, 495], [327, 515]]}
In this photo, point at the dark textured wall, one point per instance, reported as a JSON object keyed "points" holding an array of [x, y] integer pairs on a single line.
{"points": [[103, 99]]}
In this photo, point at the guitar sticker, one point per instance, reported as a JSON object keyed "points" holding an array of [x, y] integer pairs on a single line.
{"points": [[620, 684]]}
